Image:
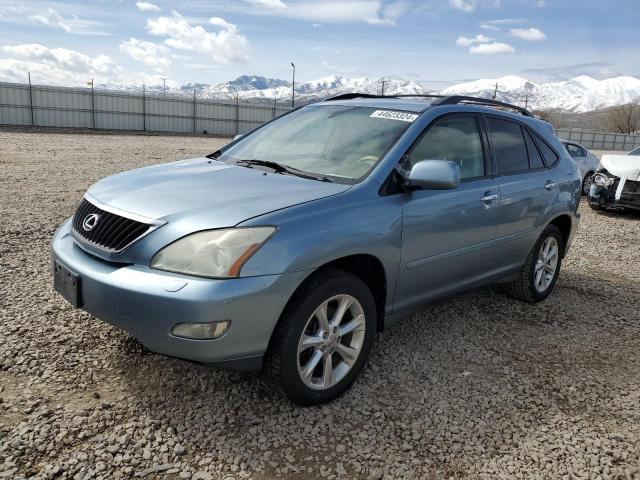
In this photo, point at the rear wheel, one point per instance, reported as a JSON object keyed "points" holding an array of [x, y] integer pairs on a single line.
{"points": [[540, 271], [323, 338]]}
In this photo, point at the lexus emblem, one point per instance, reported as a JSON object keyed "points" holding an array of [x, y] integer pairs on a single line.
{"points": [[90, 222]]}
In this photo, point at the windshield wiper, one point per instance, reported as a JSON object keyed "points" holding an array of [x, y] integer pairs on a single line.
{"points": [[283, 169]]}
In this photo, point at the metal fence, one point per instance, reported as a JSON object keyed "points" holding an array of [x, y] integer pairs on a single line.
{"points": [[46, 106], [600, 140]]}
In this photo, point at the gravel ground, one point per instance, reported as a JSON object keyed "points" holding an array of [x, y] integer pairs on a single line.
{"points": [[480, 386]]}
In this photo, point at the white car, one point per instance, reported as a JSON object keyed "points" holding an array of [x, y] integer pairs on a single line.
{"points": [[586, 161]]}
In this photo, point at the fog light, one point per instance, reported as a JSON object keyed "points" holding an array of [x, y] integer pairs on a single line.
{"points": [[201, 331]]}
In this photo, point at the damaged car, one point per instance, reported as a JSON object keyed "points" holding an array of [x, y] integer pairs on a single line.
{"points": [[616, 184]]}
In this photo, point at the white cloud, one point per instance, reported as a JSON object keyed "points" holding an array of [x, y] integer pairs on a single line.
{"points": [[61, 66], [335, 11], [61, 58], [496, 25], [316, 25], [21, 14], [148, 53], [530, 34], [148, 7], [380, 21], [464, 5], [490, 26], [467, 42], [51, 18], [492, 48], [272, 4], [388, 14], [225, 46]]}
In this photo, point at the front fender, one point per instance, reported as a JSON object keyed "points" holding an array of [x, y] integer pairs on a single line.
{"points": [[314, 234]]}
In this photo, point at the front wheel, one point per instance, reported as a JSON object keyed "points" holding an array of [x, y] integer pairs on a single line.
{"points": [[586, 183], [540, 271], [323, 338]]}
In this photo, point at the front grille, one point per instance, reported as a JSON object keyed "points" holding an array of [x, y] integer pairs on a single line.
{"points": [[631, 187], [111, 232]]}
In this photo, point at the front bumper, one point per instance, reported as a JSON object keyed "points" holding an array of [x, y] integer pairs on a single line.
{"points": [[149, 303], [604, 197]]}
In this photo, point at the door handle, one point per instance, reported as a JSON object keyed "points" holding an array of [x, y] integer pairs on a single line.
{"points": [[489, 197], [550, 185]]}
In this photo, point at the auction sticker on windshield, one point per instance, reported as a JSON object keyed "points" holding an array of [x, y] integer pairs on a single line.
{"points": [[391, 115]]}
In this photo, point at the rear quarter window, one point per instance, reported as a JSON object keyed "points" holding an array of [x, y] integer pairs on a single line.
{"points": [[535, 158], [549, 155]]}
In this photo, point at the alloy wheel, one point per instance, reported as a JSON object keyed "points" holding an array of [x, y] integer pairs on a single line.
{"points": [[586, 184], [546, 264], [331, 342]]}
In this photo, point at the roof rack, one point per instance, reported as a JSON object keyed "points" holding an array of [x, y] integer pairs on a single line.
{"points": [[350, 96], [440, 100], [457, 99]]}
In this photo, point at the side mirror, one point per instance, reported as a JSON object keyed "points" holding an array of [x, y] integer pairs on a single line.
{"points": [[237, 137], [434, 175]]}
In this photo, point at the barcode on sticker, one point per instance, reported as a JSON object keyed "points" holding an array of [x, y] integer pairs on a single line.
{"points": [[391, 115]]}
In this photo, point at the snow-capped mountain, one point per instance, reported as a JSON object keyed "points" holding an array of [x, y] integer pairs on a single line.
{"points": [[254, 87], [580, 94]]}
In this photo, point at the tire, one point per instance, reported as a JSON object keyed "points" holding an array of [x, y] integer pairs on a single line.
{"points": [[527, 287], [287, 360], [597, 208], [586, 183]]}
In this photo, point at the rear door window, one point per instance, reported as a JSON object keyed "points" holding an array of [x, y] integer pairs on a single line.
{"points": [[509, 146], [574, 150]]}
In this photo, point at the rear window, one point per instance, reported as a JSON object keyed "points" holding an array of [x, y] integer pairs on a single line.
{"points": [[508, 146]]}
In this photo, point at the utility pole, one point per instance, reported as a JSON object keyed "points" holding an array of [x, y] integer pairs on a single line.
{"points": [[293, 86], [194, 110], [31, 100], [495, 92], [164, 86], [93, 106], [526, 101], [382, 82], [144, 107]]}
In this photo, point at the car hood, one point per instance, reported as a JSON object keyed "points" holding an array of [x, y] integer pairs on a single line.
{"points": [[623, 166], [220, 194], [627, 167]]}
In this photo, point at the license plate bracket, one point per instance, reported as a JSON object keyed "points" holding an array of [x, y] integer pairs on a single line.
{"points": [[67, 284]]}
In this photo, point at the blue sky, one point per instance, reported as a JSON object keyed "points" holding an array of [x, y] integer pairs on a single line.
{"points": [[433, 42]]}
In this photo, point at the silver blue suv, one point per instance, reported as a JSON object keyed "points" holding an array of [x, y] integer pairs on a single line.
{"points": [[289, 248]]}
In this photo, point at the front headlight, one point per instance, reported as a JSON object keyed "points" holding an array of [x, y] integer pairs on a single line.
{"points": [[602, 180], [212, 253]]}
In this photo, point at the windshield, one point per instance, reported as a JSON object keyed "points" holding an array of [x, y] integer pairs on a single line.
{"points": [[634, 152], [334, 140]]}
